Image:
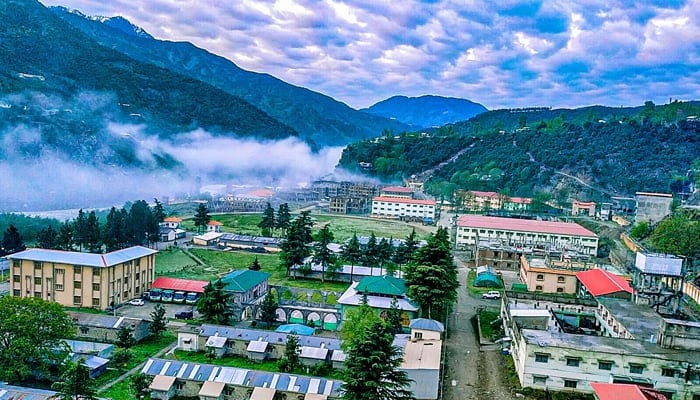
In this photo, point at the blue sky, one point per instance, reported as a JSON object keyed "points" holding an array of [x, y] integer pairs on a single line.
{"points": [[499, 53]]}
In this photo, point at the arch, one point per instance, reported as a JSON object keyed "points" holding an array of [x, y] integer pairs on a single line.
{"points": [[281, 315], [258, 314], [287, 295], [316, 297], [332, 299], [247, 313], [330, 322], [314, 318], [296, 317]]}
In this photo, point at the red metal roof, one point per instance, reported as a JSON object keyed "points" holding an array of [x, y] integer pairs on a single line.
{"points": [[523, 225], [172, 219], [624, 391], [187, 285], [215, 223], [402, 200], [397, 189], [600, 282]]}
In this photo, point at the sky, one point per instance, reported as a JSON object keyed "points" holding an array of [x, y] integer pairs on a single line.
{"points": [[504, 53]]}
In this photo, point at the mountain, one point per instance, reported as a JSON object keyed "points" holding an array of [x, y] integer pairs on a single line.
{"points": [[426, 111], [318, 118], [590, 152], [72, 92]]}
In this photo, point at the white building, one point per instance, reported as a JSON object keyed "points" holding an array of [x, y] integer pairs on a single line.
{"points": [[402, 208], [525, 233]]}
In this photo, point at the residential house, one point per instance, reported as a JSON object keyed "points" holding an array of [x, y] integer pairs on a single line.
{"points": [[247, 286], [11, 392], [214, 226], [104, 328], [75, 279], [380, 292], [422, 353]]}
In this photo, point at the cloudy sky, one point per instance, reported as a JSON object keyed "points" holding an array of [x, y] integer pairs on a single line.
{"points": [[500, 53]]}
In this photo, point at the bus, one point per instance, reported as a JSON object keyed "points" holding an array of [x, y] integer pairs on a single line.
{"points": [[155, 294], [191, 298], [179, 297], [167, 296]]}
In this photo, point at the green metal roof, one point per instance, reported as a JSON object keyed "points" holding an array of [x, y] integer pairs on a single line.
{"points": [[386, 284], [243, 280]]}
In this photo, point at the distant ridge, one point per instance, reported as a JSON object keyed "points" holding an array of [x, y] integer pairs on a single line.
{"points": [[426, 111]]}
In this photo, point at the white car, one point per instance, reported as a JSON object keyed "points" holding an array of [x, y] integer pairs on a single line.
{"points": [[491, 294], [136, 302]]}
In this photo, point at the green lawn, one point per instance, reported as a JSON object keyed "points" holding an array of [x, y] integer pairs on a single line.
{"points": [[488, 331], [235, 223], [343, 227], [242, 362], [218, 262]]}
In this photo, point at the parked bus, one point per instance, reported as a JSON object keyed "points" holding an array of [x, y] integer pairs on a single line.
{"points": [[191, 298], [155, 294], [167, 296], [179, 297]]}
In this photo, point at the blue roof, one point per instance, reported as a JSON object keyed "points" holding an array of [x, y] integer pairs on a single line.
{"points": [[87, 259], [10, 392], [298, 329], [243, 334], [427, 325]]}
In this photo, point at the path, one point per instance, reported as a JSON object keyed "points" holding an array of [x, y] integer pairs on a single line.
{"points": [[470, 374], [135, 369]]}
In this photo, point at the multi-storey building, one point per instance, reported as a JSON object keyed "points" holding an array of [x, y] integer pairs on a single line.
{"points": [[525, 234], [82, 279], [403, 208], [397, 191], [475, 200]]}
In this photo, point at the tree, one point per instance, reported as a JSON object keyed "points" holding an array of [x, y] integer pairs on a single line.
{"points": [[371, 252], [283, 218], [75, 384], [140, 384], [255, 266], [92, 233], [125, 337], [201, 217], [12, 241], [437, 251], [322, 255], [158, 211], [158, 320], [373, 367], [32, 329], [140, 223], [65, 237], [641, 230], [120, 358], [357, 320], [48, 238], [678, 234], [290, 361], [213, 305], [294, 247], [80, 229], [267, 223], [431, 287], [112, 235], [268, 309], [385, 251], [393, 317], [352, 253]]}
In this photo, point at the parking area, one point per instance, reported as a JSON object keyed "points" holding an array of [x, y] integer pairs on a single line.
{"points": [[145, 310]]}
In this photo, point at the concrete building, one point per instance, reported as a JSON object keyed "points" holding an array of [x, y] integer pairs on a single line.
{"points": [[658, 280], [545, 274], [214, 226], [525, 234], [403, 208], [562, 347], [76, 279], [104, 328], [601, 283], [583, 208], [380, 291], [11, 392], [400, 192], [653, 207], [422, 352], [478, 201]]}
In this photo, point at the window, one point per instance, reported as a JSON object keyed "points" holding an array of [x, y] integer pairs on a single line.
{"points": [[78, 269], [539, 380], [78, 284], [418, 335], [77, 300], [37, 281], [541, 358], [560, 290], [16, 292], [570, 384], [137, 276], [96, 287], [16, 263], [58, 287], [561, 279], [84, 330], [95, 272], [540, 277], [572, 362], [538, 288], [636, 368], [605, 365], [179, 385], [95, 301], [37, 295], [16, 278], [37, 264], [669, 372]]}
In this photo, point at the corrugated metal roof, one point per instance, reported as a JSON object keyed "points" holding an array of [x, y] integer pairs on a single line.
{"points": [[352, 297], [162, 383], [101, 321], [260, 393], [216, 341], [402, 200], [86, 259], [386, 284], [427, 325], [187, 285], [268, 336], [11, 392], [600, 282], [523, 225], [257, 346], [243, 280], [211, 389], [618, 391], [316, 353]]}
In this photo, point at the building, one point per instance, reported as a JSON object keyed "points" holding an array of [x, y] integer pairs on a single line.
{"points": [[104, 328], [246, 242], [171, 222], [76, 279], [624, 391], [247, 286], [11, 392], [176, 378], [653, 207], [403, 208], [214, 226], [568, 346], [380, 292], [658, 279], [210, 238], [583, 208], [475, 200], [601, 283], [552, 275], [349, 205], [399, 192], [422, 352], [525, 234], [94, 356], [346, 273]]}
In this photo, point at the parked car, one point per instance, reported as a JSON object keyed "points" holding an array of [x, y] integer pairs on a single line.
{"points": [[184, 314], [491, 294], [137, 302]]}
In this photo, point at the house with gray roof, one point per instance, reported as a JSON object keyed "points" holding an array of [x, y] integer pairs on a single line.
{"points": [[104, 328], [11, 392]]}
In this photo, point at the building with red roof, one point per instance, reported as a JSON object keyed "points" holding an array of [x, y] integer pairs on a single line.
{"points": [[625, 391], [403, 208], [599, 282], [525, 233], [185, 285], [214, 226], [397, 191], [476, 200]]}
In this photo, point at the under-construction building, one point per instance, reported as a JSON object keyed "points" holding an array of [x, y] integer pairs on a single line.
{"points": [[658, 282]]}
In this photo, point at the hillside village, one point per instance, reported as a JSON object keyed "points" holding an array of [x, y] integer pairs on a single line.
{"points": [[566, 319]]}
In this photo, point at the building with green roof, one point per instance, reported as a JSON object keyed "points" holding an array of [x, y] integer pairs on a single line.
{"points": [[380, 292], [382, 286], [246, 285]]}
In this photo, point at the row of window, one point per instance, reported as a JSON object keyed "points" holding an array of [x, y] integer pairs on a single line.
{"points": [[406, 205], [76, 284], [634, 368], [560, 279]]}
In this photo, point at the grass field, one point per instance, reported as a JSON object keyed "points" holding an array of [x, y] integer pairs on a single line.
{"points": [[177, 264], [343, 227], [234, 223]]}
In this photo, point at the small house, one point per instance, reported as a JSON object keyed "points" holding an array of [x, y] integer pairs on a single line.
{"points": [[246, 285], [214, 226], [105, 328], [162, 387]]}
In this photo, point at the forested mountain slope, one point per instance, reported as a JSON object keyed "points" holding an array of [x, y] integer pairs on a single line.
{"points": [[426, 111]]}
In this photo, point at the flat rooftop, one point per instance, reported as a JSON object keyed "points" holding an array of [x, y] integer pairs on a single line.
{"points": [[640, 321], [422, 354], [524, 225]]}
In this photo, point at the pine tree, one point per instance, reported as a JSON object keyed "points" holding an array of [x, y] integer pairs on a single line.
{"points": [[283, 218], [385, 251], [371, 252], [268, 309], [75, 384], [411, 245], [393, 317], [373, 367], [12, 241], [65, 237], [255, 266], [140, 384], [201, 217], [93, 234], [158, 320], [322, 255], [214, 305], [110, 230], [48, 238], [352, 253], [158, 211], [125, 337], [267, 223], [290, 361], [80, 229], [294, 247]]}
